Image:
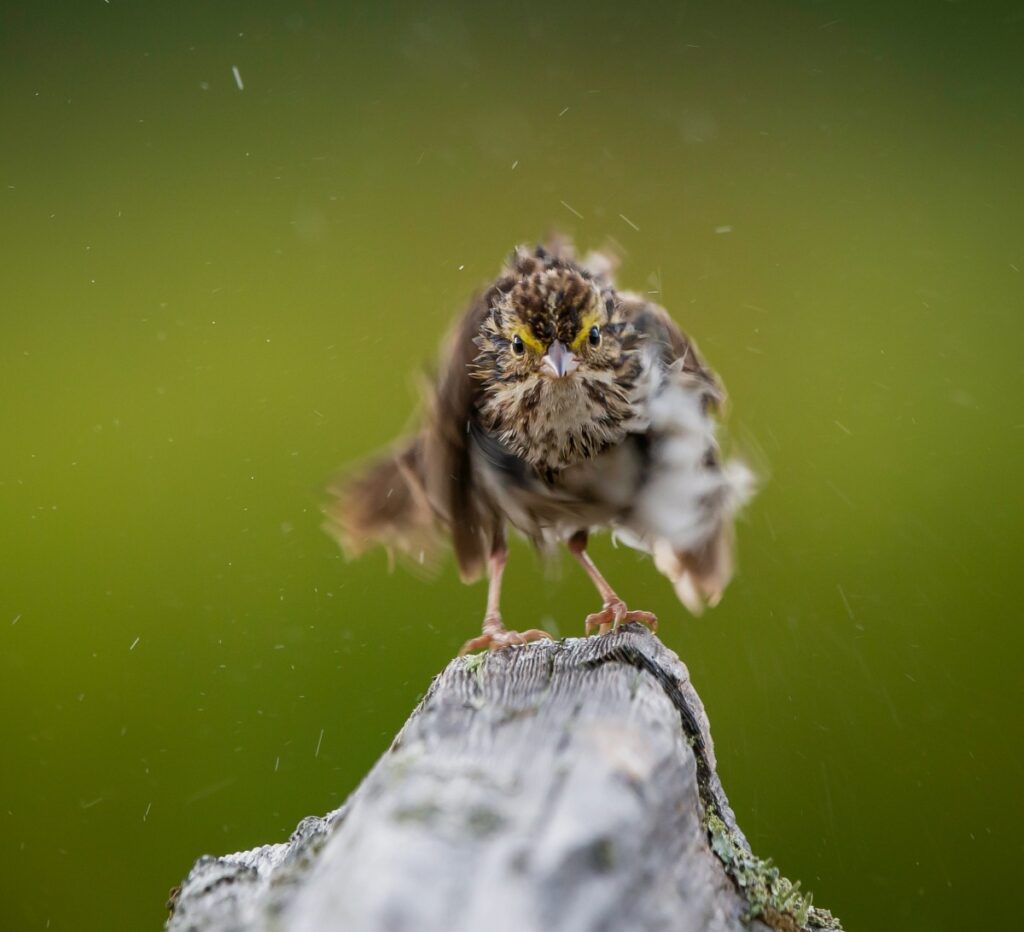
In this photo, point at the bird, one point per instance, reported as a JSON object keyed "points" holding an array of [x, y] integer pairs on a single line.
{"points": [[561, 407]]}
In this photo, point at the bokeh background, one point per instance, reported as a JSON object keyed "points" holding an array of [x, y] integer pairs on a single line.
{"points": [[214, 292]]}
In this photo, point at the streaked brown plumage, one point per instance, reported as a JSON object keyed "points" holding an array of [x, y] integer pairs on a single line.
{"points": [[561, 406]]}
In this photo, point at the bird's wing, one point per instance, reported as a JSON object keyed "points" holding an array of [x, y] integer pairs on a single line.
{"points": [[449, 475], [684, 513], [385, 502], [679, 352], [403, 497]]}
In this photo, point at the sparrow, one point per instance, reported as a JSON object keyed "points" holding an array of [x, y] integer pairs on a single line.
{"points": [[561, 407]]}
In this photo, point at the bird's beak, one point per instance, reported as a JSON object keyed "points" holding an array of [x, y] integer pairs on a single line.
{"points": [[560, 360]]}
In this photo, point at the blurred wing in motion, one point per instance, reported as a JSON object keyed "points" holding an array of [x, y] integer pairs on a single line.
{"points": [[386, 503], [684, 512]]}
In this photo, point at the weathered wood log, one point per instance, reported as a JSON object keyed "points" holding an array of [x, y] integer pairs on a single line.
{"points": [[555, 786]]}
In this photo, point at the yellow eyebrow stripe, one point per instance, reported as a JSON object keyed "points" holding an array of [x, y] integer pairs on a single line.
{"points": [[594, 317], [529, 339]]}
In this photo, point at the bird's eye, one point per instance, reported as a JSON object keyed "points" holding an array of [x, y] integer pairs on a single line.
{"points": [[518, 347], [594, 337]]}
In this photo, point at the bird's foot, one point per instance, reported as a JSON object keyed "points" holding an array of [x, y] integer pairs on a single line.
{"points": [[497, 637], [614, 614]]}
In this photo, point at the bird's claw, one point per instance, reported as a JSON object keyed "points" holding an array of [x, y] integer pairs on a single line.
{"points": [[497, 637], [616, 613]]}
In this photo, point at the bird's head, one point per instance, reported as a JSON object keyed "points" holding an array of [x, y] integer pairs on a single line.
{"points": [[556, 367]]}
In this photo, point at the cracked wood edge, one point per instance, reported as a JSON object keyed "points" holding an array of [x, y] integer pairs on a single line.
{"points": [[436, 807]]}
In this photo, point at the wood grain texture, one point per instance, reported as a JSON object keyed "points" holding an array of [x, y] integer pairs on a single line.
{"points": [[564, 785]]}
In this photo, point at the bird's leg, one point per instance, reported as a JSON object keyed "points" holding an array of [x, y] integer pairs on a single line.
{"points": [[614, 612], [495, 635]]}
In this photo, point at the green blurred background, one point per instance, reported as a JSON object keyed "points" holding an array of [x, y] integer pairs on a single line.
{"points": [[212, 297]]}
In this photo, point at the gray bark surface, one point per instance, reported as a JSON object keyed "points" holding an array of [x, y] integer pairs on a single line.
{"points": [[556, 786]]}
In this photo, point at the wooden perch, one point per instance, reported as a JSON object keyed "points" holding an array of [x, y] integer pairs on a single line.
{"points": [[556, 786]]}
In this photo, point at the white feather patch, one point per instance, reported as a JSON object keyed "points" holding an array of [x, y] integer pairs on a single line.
{"points": [[684, 501]]}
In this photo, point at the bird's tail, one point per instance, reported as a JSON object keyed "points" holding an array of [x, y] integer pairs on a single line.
{"points": [[386, 503]]}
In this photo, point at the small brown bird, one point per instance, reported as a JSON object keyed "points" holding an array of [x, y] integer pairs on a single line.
{"points": [[561, 406]]}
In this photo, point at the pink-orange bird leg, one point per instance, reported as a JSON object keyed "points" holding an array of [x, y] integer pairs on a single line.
{"points": [[614, 612], [495, 635]]}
